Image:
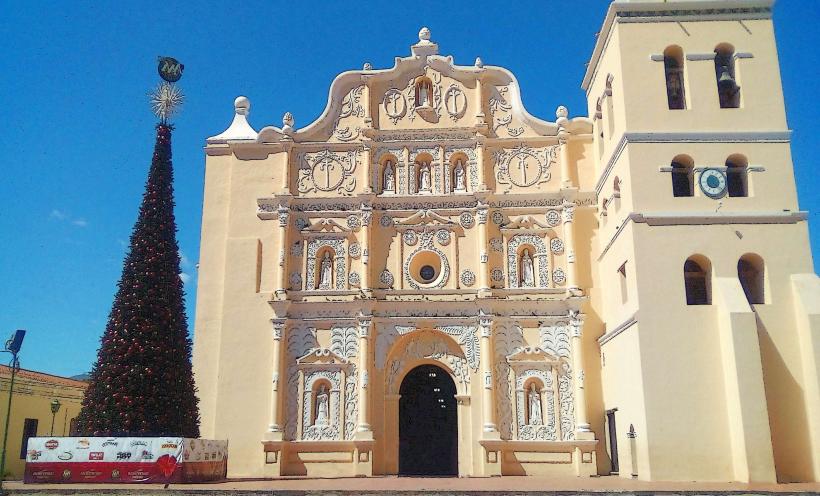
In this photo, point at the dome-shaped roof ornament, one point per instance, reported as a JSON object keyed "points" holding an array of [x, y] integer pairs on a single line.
{"points": [[424, 34], [239, 129], [479, 63], [242, 105]]}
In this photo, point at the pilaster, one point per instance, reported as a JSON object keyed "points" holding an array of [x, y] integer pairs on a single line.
{"points": [[365, 330], [576, 324]]}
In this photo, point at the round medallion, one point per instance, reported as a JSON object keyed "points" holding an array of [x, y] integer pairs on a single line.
{"points": [[497, 275], [355, 280], [327, 173], [556, 245], [353, 221], [524, 169], [355, 250], [558, 276], [713, 183], [386, 221], [386, 278], [296, 249], [466, 220], [467, 277], [553, 218], [170, 69], [498, 217], [410, 238], [497, 245], [443, 237], [302, 223]]}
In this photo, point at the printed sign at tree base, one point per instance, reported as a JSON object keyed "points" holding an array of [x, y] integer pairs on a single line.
{"points": [[125, 459]]}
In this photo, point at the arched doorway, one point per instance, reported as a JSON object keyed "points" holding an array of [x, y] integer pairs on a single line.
{"points": [[428, 423]]}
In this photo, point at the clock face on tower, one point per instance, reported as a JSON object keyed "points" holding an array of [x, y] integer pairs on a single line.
{"points": [[713, 183]]}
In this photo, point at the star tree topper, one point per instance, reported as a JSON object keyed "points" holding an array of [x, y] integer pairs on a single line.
{"points": [[166, 99]]}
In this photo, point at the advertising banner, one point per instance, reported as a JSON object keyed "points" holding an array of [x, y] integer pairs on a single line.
{"points": [[124, 459]]}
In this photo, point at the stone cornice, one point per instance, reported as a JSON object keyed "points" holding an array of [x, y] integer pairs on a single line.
{"points": [[623, 326], [688, 137], [706, 218]]}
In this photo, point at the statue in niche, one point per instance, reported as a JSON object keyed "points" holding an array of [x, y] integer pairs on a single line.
{"points": [[527, 272], [326, 272], [424, 92], [389, 177], [424, 177], [322, 400], [534, 409], [458, 176]]}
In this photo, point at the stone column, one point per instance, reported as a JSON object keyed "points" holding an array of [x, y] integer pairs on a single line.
{"points": [[576, 323], [282, 281], [275, 427], [485, 323], [483, 247], [566, 170], [367, 217], [479, 158], [569, 245], [363, 431], [287, 146]]}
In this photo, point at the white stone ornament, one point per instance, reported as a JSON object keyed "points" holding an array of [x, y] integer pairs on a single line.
{"points": [[355, 279], [353, 222], [466, 219], [355, 250], [558, 276], [443, 237], [410, 238], [556, 245], [553, 218], [467, 277], [386, 278]]}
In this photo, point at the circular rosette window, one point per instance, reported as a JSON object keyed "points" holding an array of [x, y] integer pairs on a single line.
{"points": [[425, 269]]}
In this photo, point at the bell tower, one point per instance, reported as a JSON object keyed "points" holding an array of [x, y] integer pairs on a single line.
{"points": [[705, 281]]}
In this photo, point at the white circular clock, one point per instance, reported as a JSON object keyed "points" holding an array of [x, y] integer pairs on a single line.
{"points": [[713, 183]]}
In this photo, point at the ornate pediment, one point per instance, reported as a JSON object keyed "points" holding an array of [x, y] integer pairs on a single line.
{"points": [[326, 226], [525, 223], [530, 354], [322, 357], [426, 217], [449, 100]]}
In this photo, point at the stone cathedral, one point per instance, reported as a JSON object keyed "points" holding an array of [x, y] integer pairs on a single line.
{"points": [[429, 280]]}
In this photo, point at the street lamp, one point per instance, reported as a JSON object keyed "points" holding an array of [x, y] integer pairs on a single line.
{"points": [[12, 346], [55, 407]]}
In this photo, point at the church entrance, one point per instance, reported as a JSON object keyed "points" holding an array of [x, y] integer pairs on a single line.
{"points": [[428, 423]]}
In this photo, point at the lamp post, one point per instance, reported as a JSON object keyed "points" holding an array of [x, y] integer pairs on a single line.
{"points": [[55, 407], [13, 347]]}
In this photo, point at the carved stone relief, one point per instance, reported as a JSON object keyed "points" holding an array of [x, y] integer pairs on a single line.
{"points": [[327, 171], [508, 339], [339, 261], [541, 254], [523, 166], [351, 114], [501, 111]]}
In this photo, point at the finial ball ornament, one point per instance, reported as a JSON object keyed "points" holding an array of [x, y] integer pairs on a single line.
{"points": [[424, 34], [242, 105], [368, 66], [479, 63], [287, 119], [561, 112]]}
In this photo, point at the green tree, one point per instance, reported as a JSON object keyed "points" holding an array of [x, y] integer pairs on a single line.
{"points": [[142, 383]]}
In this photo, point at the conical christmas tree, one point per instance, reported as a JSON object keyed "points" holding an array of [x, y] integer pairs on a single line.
{"points": [[142, 383]]}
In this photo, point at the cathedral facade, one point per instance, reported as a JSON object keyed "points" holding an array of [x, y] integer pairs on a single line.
{"points": [[429, 280]]}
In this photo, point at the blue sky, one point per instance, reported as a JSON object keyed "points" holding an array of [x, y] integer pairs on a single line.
{"points": [[77, 132]]}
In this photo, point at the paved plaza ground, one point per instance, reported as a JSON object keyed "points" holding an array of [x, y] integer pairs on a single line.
{"points": [[411, 486]]}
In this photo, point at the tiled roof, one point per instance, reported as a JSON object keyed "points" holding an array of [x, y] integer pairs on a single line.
{"points": [[5, 371]]}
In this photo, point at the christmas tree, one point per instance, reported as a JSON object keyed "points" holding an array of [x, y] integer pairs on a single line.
{"points": [[142, 383]]}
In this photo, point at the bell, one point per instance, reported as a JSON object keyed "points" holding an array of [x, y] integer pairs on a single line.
{"points": [[726, 82]]}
